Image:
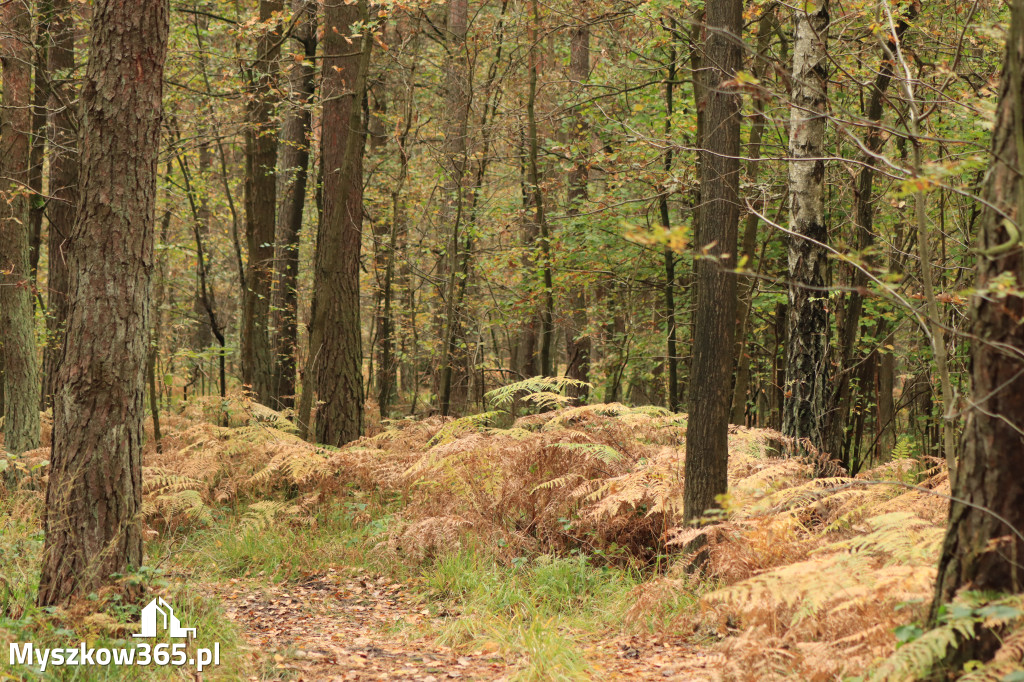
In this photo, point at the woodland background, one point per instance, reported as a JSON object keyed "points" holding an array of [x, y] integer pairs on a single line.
{"points": [[522, 255]]}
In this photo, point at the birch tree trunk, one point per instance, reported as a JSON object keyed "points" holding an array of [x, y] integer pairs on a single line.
{"points": [[807, 335]]}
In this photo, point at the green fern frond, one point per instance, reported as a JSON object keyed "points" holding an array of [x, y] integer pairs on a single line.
{"points": [[605, 453], [262, 514], [504, 397]]}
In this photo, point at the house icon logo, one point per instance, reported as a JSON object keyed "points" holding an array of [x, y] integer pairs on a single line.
{"points": [[158, 611]]}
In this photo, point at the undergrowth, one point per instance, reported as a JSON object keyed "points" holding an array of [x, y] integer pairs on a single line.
{"points": [[537, 522]]}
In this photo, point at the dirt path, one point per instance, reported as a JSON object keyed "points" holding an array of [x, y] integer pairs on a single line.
{"points": [[337, 626]]}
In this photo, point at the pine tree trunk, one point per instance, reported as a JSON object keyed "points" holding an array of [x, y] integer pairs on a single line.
{"points": [[577, 338], [95, 489], [671, 360], [40, 94], [294, 161], [63, 186], [981, 551], [335, 349], [707, 451], [17, 319], [765, 31], [260, 209], [808, 330], [457, 93]]}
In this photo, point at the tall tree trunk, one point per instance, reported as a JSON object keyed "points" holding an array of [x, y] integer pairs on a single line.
{"points": [[457, 94], [205, 305], [807, 335], [40, 94], [578, 343], [63, 185], [17, 320], [95, 490], [670, 257], [707, 452], [765, 29], [543, 241], [863, 222], [336, 346], [386, 361], [260, 207], [981, 549], [294, 161]]}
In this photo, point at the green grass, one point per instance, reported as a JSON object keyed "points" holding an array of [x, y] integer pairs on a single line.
{"points": [[537, 611], [277, 553]]}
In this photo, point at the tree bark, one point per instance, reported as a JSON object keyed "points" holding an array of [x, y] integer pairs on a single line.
{"points": [[40, 90], [543, 241], [294, 162], [457, 93], [260, 208], [61, 207], [670, 257], [17, 319], [578, 343], [981, 551], [766, 28], [335, 349], [707, 451], [95, 489], [808, 331]]}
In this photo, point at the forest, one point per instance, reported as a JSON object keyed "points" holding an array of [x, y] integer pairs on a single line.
{"points": [[513, 340]]}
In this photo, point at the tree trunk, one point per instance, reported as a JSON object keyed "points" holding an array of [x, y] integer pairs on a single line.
{"points": [[40, 94], [294, 158], [17, 319], [260, 207], [335, 349], [543, 241], [707, 451], [670, 257], [765, 30], [808, 331], [61, 207], [863, 221], [457, 94], [577, 339], [94, 494], [981, 551]]}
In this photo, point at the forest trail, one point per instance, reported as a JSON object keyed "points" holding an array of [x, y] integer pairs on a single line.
{"points": [[355, 626]]}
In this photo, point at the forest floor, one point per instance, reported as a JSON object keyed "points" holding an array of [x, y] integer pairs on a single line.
{"points": [[341, 625], [494, 547]]}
